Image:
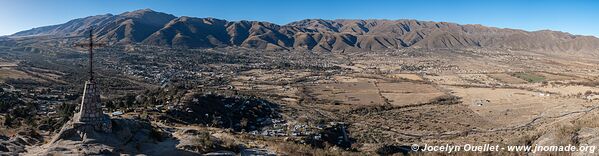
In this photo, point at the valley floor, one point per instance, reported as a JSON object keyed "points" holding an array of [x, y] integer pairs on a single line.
{"points": [[371, 103]]}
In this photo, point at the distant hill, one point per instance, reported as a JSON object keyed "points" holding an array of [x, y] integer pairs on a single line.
{"points": [[128, 27], [155, 28]]}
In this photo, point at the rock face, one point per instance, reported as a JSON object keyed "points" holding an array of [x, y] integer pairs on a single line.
{"points": [[155, 28], [128, 137], [17, 144]]}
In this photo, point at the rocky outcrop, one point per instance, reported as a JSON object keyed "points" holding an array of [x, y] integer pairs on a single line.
{"points": [[127, 137], [18, 143]]}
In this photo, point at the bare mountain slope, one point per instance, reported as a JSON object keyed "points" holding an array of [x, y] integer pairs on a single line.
{"points": [[155, 28], [127, 27]]}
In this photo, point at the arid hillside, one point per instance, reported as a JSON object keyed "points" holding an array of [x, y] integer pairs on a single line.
{"points": [[155, 28]]}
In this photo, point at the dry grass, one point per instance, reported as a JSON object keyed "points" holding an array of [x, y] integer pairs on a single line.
{"points": [[298, 149], [566, 134], [6, 73], [412, 77], [507, 78]]}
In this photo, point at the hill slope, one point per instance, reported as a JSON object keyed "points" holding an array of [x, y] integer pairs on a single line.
{"points": [[155, 28], [128, 27]]}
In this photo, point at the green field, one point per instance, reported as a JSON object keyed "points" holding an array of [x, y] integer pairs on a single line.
{"points": [[532, 78]]}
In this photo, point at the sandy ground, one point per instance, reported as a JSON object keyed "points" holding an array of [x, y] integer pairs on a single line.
{"points": [[512, 107]]}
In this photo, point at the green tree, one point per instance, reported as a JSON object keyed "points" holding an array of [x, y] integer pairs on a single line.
{"points": [[8, 120]]}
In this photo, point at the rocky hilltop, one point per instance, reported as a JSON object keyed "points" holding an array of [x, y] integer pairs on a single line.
{"points": [[128, 137]]}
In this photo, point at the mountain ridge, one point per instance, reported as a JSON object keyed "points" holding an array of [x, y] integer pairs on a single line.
{"points": [[155, 28]]}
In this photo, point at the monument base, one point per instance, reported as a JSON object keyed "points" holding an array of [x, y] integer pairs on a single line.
{"points": [[101, 124]]}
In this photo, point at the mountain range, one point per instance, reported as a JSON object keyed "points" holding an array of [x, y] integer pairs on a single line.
{"points": [[155, 28]]}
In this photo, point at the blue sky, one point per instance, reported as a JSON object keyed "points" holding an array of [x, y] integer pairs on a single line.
{"points": [[579, 17]]}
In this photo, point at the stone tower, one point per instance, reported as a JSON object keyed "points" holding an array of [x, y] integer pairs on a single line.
{"points": [[90, 111]]}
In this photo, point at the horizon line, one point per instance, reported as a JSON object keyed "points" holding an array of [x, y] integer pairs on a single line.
{"points": [[280, 24]]}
